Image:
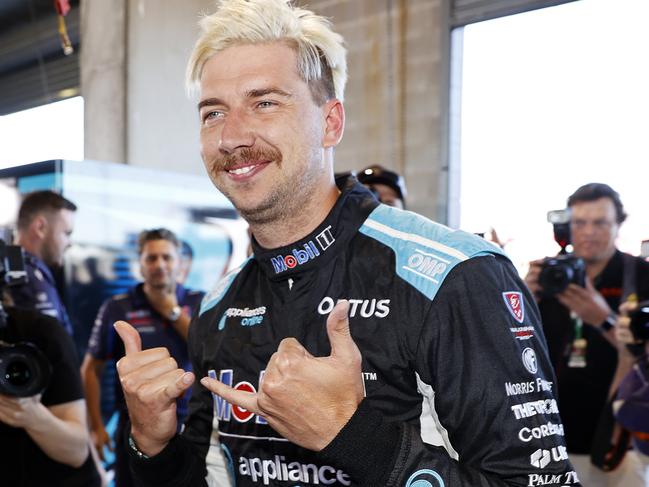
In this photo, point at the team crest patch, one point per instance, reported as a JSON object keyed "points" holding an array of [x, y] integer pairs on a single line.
{"points": [[514, 302]]}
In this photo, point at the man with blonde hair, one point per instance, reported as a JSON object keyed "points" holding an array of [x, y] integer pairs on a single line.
{"points": [[359, 345]]}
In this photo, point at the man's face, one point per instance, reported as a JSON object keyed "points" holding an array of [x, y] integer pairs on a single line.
{"points": [[60, 225], [159, 263], [594, 229], [262, 135], [386, 195]]}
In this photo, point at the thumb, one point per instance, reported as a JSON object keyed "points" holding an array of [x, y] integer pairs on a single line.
{"points": [[130, 337], [342, 343]]}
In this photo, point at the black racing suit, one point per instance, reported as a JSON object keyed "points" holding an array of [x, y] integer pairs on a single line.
{"points": [[459, 384]]}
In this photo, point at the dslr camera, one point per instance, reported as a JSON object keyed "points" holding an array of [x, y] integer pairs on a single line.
{"points": [[24, 369], [565, 268], [639, 324]]}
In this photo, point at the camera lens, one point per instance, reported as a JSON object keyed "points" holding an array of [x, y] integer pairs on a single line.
{"points": [[24, 370], [555, 277], [18, 373]]}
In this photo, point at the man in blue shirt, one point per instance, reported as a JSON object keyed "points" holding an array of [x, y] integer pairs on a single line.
{"points": [[45, 223], [161, 310]]}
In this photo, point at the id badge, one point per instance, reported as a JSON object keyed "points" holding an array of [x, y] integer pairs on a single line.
{"points": [[577, 357]]}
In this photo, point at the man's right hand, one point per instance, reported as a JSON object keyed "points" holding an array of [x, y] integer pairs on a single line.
{"points": [[152, 382]]}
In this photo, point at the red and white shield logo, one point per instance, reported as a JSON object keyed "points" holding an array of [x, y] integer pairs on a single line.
{"points": [[514, 302]]}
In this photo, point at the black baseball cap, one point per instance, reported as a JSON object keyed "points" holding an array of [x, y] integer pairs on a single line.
{"points": [[379, 175]]}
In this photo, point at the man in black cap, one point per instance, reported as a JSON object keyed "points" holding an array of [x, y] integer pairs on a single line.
{"points": [[388, 187]]}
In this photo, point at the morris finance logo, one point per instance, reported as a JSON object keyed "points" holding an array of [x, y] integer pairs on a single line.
{"points": [[541, 458], [309, 251]]}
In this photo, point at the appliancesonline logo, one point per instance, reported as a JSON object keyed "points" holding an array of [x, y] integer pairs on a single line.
{"points": [[310, 251]]}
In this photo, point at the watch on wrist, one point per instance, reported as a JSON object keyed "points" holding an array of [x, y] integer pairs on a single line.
{"points": [[134, 448], [609, 322], [176, 311]]}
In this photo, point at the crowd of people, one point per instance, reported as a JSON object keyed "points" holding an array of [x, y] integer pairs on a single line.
{"points": [[359, 344]]}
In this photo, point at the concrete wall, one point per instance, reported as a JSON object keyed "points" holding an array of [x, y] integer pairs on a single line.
{"points": [[396, 97], [162, 122]]}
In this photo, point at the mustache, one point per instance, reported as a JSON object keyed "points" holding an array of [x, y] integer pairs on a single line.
{"points": [[246, 155]]}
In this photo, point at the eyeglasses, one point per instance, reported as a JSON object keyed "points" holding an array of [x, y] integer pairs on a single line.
{"points": [[599, 224]]}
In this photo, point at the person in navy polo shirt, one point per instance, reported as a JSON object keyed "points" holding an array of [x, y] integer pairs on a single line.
{"points": [[161, 310], [45, 223]]}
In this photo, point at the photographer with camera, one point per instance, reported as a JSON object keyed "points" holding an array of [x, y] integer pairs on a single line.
{"points": [[631, 405], [43, 434], [45, 223], [578, 295]]}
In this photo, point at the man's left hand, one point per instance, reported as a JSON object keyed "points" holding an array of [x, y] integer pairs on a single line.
{"points": [[162, 300], [20, 412], [586, 302], [306, 399]]}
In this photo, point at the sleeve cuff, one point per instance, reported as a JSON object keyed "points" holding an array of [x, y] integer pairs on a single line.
{"points": [[366, 448], [164, 465]]}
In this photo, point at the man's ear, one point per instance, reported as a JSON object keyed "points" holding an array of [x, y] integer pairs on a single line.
{"points": [[334, 123], [39, 225]]}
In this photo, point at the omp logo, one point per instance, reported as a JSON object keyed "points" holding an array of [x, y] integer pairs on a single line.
{"points": [[366, 308], [249, 317], [428, 266], [425, 478], [302, 255], [550, 429], [529, 360], [541, 457], [529, 409], [282, 470]]}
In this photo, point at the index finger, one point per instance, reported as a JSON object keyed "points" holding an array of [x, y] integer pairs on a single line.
{"points": [[130, 337], [242, 399]]}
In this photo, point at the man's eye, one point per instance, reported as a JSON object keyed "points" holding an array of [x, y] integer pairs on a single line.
{"points": [[266, 104], [214, 114]]}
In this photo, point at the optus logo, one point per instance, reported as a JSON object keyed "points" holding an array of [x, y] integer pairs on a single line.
{"points": [[366, 308], [309, 251]]}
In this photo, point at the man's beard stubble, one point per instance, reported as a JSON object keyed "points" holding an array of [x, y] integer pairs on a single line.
{"points": [[269, 210]]}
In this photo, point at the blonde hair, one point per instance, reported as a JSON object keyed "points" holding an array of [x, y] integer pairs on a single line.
{"points": [[321, 55]]}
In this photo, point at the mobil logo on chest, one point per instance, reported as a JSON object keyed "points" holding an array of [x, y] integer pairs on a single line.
{"points": [[225, 411], [309, 251]]}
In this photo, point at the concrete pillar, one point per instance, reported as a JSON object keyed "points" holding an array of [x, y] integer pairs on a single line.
{"points": [[162, 122], [103, 79], [397, 94]]}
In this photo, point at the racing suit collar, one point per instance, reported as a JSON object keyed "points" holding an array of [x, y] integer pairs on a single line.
{"points": [[353, 206]]}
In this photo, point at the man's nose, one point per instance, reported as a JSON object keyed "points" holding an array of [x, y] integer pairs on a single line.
{"points": [[236, 132]]}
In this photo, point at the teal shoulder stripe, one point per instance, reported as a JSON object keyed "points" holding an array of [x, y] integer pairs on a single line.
{"points": [[425, 251], [212, 298]]}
